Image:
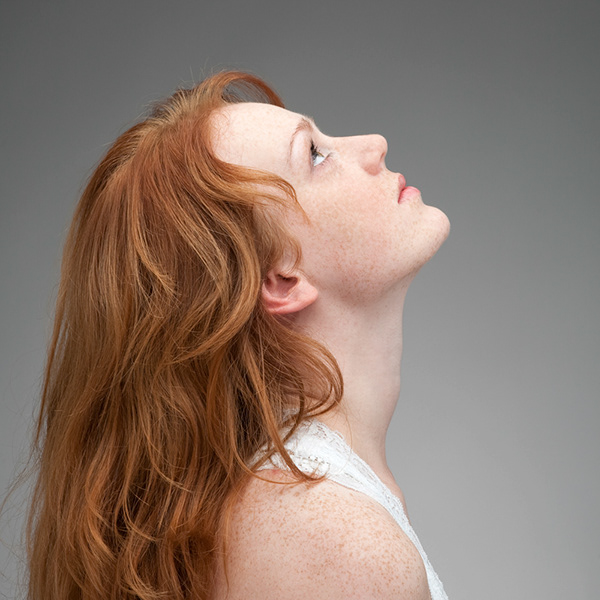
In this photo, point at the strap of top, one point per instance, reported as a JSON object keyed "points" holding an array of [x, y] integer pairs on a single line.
{"points": [[316, 449]]}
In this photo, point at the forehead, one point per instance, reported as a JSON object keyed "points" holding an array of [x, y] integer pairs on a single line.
{"points": [[254, 135]]}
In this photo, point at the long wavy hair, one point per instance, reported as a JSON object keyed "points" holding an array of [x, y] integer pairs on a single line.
{"points": [[165, 374]]}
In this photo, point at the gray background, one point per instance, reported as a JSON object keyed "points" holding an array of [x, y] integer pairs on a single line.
{"points": [[491, 108]]}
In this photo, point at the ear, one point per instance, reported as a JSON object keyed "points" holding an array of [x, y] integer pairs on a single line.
{"points": [[287, 294]]}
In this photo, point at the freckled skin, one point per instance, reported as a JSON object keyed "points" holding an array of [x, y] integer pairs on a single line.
{"points": [[360, 250], [317, 541], [360, 241]]}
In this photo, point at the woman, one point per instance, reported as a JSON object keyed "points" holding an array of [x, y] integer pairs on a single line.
{"points": [[228, 267]]}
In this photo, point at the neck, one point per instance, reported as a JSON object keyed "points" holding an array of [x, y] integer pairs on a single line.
{"points": [[367, 343]]}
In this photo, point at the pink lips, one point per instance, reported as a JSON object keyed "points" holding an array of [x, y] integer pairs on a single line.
{"points": [[406, 192]]}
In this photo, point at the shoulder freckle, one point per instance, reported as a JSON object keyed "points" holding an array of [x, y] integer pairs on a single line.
{"points": [[319, 540]]}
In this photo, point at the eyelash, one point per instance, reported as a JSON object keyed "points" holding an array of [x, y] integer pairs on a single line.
{"points": [[314, 153]]}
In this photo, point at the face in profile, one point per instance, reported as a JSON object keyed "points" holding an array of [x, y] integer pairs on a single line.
{"points": [[367, 232]]}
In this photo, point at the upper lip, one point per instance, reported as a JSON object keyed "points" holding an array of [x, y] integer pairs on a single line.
{"points": [[402, 183]]}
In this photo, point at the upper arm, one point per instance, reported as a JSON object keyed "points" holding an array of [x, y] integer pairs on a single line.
{"points": [[319, 541]]}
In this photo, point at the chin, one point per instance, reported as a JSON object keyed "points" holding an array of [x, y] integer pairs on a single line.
{"points": [[436, 232], [444, 226], [427, 242]]}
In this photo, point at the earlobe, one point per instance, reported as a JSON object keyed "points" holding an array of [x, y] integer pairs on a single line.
{"points": [[285, 295]]}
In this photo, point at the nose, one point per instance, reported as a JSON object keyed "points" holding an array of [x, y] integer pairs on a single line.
{"points": [[371, 152]]}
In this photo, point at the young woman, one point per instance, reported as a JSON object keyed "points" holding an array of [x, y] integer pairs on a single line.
{"points": [[226, 361]]}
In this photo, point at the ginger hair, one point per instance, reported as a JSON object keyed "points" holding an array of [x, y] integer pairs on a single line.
{"points": [[165, 374]]}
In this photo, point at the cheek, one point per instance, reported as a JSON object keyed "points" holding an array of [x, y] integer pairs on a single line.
{"points": [[346, 243], [345, 212]]}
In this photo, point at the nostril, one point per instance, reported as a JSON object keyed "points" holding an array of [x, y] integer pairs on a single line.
{"points": [[382, 143], [379, 148], [370, 151]]}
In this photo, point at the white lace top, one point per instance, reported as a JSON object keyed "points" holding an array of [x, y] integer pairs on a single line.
{"points": [[319, 450]]}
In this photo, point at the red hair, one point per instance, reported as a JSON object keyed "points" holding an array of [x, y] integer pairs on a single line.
{"points": [[165, 374]]}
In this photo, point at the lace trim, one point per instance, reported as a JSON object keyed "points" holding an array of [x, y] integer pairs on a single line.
{"points": [[318, 450]]}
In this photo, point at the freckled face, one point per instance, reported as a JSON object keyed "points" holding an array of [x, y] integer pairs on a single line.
{"points": [[360, 240]]}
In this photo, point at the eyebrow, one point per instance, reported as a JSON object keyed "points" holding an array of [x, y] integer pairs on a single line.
{"points": [[306, 123]]}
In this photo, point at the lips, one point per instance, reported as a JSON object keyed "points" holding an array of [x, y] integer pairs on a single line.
{"points": [[406, 192]]}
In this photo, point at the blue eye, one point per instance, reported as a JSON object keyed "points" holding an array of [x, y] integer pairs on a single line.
{"points": [[316, 156]]}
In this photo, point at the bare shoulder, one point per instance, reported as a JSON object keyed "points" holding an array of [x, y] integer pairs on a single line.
{"points": [[317, 541]]}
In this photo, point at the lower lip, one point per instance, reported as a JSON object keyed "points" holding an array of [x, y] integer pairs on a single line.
{"points": [[409, 193]]}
